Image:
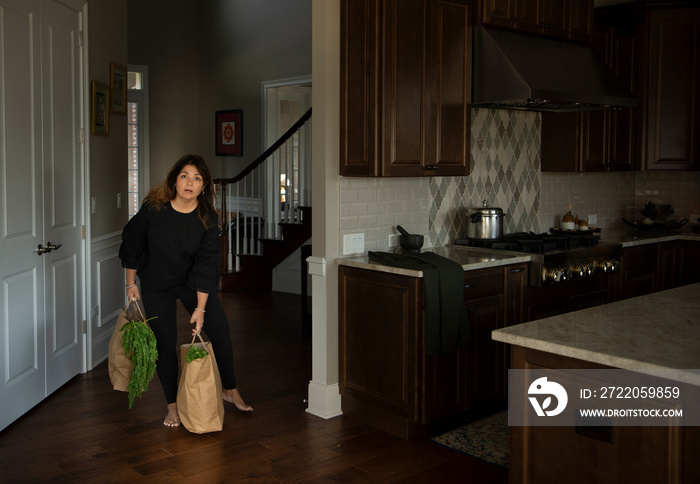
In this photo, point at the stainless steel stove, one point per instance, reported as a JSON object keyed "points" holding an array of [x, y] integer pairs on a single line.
{"points": [[557, 258]]}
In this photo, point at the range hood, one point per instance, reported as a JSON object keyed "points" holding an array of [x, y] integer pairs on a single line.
{"points": [[513, 70]]}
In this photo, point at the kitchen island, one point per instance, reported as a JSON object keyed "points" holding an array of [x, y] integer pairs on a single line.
{"points": [[660, 330]]}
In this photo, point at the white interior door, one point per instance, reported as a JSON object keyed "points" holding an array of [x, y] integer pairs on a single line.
{"points": [[22, 357], [41, 296], [63, 197]]}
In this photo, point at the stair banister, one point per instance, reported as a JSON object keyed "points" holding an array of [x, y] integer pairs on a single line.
{"points": [[249, 241]]}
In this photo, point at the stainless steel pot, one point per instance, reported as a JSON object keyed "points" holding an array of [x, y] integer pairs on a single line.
{"points": [[485, 223]]}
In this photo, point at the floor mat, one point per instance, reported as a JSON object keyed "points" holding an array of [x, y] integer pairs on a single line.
{"points": [[486, 439]]}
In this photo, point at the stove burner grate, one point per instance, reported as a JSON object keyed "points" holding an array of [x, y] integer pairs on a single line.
{"points": [[531, 242]]}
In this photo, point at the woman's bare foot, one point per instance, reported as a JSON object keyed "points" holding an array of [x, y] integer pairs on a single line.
{"points": [[173, 418], [232, 396]]}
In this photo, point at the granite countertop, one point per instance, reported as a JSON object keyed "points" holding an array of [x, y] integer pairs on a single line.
{"points": [[630, 237], [659, 330], [470, 258]]}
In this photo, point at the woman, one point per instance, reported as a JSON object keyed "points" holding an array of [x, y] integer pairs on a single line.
{"points": [[172, 243]]}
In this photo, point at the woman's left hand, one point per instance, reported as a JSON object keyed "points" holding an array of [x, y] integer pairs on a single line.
{"points": [[198, 320]]}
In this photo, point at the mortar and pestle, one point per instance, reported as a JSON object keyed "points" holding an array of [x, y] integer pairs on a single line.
{"points": [[410, 243]]}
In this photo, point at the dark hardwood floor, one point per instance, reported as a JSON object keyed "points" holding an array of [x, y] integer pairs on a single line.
{"points": [[84, 432]]}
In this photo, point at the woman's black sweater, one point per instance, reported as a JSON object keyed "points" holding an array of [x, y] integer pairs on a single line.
{"points": [[169, 249]]}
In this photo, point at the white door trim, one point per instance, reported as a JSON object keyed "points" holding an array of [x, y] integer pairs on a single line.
{"points": [[265, 85]]}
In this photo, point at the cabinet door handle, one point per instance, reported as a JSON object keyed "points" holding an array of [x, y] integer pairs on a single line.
{"points": [[469, 286], [431, 167], [515, 271], [471, 310]]}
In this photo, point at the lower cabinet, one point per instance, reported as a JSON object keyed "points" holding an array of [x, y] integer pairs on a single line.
{"points": [[688, 261], [638, 266], [659, 266], [543, 302], [386, 378]]}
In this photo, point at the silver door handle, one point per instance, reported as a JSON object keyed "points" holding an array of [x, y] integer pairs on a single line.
{"points": [[49, 247]]}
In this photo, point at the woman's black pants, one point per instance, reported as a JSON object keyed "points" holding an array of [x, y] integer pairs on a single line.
{"points": [[163, 306]]}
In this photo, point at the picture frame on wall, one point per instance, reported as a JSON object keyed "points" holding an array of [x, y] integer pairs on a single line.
{"points": [[99, 119], [118, 88], [229, 133]]}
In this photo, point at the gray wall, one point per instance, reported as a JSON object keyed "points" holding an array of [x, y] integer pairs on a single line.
{"points": [[107, 43], [210, 56], [167, 41]]}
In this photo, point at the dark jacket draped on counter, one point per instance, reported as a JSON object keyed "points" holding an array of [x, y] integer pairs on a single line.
{"points": [[446, 319]]}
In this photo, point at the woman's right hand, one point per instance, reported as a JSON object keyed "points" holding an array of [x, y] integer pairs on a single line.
{"points": [[132, 293]]}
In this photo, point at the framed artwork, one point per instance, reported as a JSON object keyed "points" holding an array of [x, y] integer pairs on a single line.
{"points": [[117, 88], [229, 133], [100, 109]]}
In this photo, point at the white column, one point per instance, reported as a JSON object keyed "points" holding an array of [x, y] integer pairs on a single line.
{"points": [[324, 395]]}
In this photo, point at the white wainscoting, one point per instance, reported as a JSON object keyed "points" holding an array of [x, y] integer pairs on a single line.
{"points": [[108, 294]]}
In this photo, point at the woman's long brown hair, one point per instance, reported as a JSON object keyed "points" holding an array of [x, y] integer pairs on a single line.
{"points": [[165, 192]]}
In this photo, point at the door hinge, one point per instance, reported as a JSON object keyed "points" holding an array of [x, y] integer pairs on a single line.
{"points": [[80, 38], [82, 135], [84, 327], [82, 232]]}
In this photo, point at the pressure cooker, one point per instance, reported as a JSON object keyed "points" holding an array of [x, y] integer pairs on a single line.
{"points": [[485, 223]]}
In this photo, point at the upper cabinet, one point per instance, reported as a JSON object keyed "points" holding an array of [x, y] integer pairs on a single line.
{"points": [[604, 140], [405, 87], [609, 137], [671, 123], [568, 19]]}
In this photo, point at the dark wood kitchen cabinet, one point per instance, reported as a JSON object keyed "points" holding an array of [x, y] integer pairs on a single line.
{"points": [[381, 353], [609, 137], [484, 298], [659, 266], [388, 381], [405, 103], [494, 298], [638, 266], [688, 261], [552, 300], [672, 103], [557, 18], [667, 268], [615, 453], [602, 140]]}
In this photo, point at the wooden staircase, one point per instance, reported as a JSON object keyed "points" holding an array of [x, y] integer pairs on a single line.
{"points": [[256, 270]]}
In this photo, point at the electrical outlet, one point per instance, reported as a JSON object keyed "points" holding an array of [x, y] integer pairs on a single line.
{"points": [[592, 219], [393, 240]]}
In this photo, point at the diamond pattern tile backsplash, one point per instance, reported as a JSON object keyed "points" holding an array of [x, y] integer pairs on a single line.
{"points": [[505, 156], [505, 171]]}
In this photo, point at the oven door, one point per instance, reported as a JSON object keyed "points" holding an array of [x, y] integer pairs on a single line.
{"points": [[555, 299]]}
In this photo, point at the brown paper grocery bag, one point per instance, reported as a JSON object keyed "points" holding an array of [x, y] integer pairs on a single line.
{"points": [[199, 394], [119, 364]]}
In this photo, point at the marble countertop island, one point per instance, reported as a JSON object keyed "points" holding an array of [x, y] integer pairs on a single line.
{"points": [[659, 330]]}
